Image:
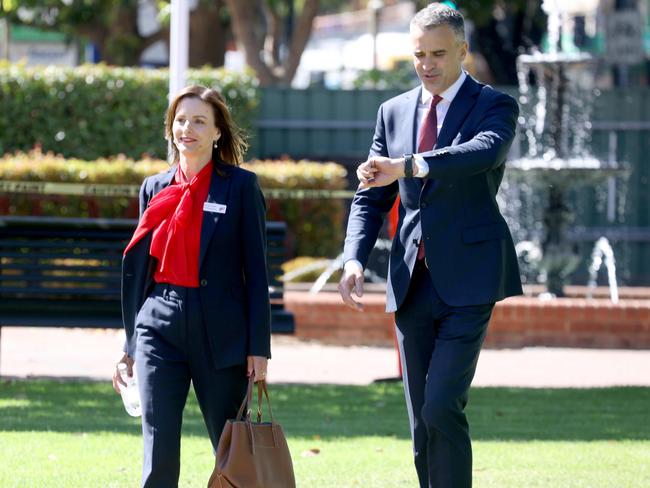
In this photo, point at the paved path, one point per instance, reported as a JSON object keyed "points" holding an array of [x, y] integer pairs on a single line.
{"points": [[92, 353]]}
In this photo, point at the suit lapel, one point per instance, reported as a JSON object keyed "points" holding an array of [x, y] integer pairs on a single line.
{"points": [[219, 191], [409, 115], [167, 179], [460, 107]]}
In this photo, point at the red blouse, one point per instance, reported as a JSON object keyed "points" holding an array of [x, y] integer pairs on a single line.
{"points": [[175, 216]]}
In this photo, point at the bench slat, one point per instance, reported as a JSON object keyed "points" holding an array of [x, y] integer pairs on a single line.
{"points": [[32, 256], [106, 292], [68, 248], [102, 278], [61, 244], [53, 267]]}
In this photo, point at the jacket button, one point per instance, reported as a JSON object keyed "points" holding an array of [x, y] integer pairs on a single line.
{"points": [[204, 282], [424, 205]]}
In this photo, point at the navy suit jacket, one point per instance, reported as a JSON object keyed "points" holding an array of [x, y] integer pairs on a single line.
{"points": [[469, 249], [232, 268]]}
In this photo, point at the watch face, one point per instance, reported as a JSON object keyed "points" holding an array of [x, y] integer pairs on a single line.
{"points": [[408, 165]]}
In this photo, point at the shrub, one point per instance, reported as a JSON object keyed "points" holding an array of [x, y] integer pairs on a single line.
{"points": [[402, 77], [95, 111], [315, 225]]}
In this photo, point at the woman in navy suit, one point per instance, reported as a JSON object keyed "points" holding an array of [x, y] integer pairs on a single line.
{"points": [[195, 299]]}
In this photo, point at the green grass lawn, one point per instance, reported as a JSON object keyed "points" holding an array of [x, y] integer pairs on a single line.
{"points": [[75, 434]]}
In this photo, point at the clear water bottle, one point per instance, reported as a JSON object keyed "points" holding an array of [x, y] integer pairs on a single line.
{"points": [[130, 393]]}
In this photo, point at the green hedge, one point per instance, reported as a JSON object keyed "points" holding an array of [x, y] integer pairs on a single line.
{"points": [[315, 226], [95, 111]]}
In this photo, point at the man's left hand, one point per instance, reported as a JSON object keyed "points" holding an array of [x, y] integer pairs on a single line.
{"points": [[379, 171]]}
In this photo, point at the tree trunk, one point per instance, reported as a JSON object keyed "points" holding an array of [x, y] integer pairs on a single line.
{"points": [[250, 34], [122, 46], [500, 60], [273, 35], [208, 35], [500, 41], [300, 38]]}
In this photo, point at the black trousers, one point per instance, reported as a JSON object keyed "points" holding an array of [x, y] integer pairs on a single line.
{"points": [[172, 351], [439, 347]]}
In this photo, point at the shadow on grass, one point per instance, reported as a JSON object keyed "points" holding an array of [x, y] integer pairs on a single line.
{"points": [[331, 411]]}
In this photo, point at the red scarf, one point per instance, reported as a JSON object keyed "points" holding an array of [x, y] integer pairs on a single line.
{"points": [[175, 216]]}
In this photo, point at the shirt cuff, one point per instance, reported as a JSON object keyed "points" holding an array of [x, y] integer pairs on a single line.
{"points": [[423, 167], [353, 265]]}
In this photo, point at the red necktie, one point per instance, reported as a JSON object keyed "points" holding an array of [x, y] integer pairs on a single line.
{"points": [[428, 135], [427, 138]]}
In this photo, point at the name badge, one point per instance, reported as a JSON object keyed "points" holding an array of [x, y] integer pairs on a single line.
{"points": [[214, 208]]}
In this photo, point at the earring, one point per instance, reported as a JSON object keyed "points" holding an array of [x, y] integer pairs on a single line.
{"points": [[216, 144]]}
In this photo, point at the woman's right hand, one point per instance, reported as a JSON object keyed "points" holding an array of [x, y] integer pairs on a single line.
{"points": [[117, 379]]}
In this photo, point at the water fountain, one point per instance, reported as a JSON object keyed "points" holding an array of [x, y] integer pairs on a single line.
{"points": [[556, 123], [603, 252], [556, 94]]}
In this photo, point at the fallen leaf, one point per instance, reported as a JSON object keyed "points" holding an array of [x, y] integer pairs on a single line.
{"points": [[310, 452]]}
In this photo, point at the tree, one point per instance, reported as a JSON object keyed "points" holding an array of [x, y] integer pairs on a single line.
{"points": [[209, 31], [505, 30], [261, 36], [111, 25]]}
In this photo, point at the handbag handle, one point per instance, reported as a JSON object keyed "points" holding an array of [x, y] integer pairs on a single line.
{"points": [[246, 401], [261, 387], [246, 417], [244, 409], [244, 413]]}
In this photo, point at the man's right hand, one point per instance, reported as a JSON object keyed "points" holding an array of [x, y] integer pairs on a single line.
{"points": [[352, 279], [117, 379]]}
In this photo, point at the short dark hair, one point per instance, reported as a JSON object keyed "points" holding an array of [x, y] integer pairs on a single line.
{"points": [[437, 14]]}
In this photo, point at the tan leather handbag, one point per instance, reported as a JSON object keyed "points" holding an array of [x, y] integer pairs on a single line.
{"points": [[252, 454]]}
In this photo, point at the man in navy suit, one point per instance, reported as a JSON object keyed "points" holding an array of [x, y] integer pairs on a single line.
{"points": [[442, 147]]}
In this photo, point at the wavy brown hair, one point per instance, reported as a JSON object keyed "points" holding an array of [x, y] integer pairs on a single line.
{"points": [[232, 145]]}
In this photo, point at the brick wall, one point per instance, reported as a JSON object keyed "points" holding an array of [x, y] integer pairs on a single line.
{"points": [[516, 322]]}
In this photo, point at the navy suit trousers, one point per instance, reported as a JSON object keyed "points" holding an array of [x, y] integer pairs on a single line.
{"points": [[172, 351], [439, 348]]}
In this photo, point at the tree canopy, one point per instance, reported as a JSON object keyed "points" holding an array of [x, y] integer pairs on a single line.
{"points": [[271, 33], [111, 25]]}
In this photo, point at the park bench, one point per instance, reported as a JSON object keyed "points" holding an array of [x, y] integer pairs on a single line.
{"points": [[65, 272]]}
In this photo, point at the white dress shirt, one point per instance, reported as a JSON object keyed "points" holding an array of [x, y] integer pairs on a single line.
{"points": [[441, 112]]}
